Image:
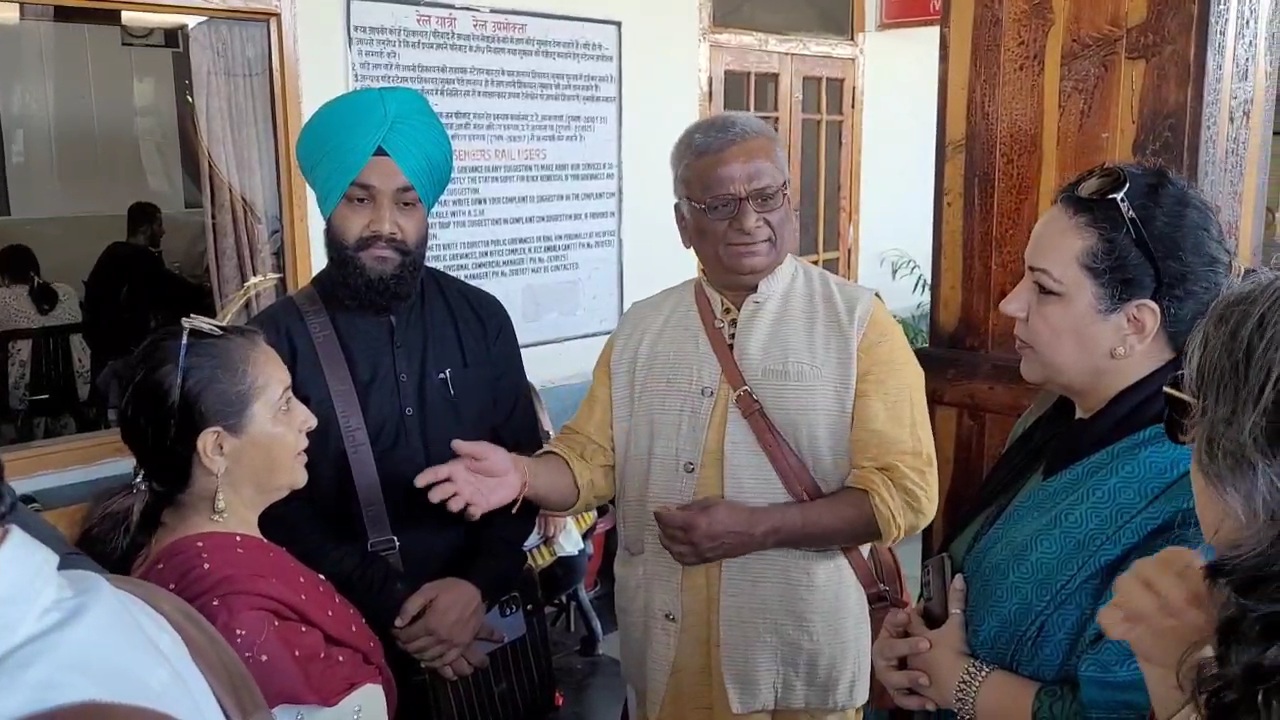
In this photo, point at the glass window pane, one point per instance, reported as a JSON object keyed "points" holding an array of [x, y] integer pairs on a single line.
{"points": [[766, 93], [101, 111], [811, 96], [809, 170], [736, 90], [815, 18], [831, 191], [832, 265], [835, 97]]}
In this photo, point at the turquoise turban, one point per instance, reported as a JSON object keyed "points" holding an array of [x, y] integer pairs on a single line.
{"points": [[340, 138]]}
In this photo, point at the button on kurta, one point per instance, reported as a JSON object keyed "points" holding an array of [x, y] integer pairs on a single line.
{"points": [[670, 616], [708, 391], [689, 467], [408, 411]]}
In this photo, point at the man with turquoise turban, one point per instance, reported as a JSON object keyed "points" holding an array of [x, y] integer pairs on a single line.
{"points": [[433, 359]]}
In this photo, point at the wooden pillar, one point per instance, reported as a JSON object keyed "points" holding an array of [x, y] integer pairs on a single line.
{"points": [[1033, 92]]}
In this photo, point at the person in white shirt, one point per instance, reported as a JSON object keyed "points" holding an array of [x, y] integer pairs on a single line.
{"points": [[72, 637]]}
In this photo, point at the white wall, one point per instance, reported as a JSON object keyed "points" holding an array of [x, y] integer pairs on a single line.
{"points": [[90, 126], [899, 136], [659, 99]]}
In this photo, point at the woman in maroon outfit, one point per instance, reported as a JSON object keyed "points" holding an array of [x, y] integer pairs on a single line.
{"points": [[218, 436]]}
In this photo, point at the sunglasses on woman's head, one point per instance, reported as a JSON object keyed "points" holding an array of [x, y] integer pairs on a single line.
{"points": [[1178, 409], [1111, 183]]}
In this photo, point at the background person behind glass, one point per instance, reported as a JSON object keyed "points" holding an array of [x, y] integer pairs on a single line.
{"points": [[1208, 636], [130, 292], [28, 301]]}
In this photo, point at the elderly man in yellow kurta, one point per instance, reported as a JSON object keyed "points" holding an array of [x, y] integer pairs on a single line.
{"points": [[733, 601]]}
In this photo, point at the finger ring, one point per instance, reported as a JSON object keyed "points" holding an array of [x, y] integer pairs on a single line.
{"points": [[955, 611]]}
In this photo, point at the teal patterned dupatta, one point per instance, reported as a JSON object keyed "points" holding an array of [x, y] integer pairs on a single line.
{"points": [[1040, 572]]}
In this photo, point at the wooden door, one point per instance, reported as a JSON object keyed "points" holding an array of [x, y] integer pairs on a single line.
{"points": [[822, 131], [1034, 93], [810, 101], [752, 81]]}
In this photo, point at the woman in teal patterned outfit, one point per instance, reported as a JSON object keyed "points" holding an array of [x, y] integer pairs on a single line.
{"points": [[1118, 271]]}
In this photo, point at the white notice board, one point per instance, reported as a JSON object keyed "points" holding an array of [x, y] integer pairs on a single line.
{"points": [[533, 106]]}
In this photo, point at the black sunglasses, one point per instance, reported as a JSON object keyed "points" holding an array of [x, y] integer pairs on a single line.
{"points": [[1111, 182], [727, 207], [1178, 409]]}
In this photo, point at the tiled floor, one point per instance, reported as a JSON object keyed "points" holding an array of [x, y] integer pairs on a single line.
{"points": [[593, 687]]}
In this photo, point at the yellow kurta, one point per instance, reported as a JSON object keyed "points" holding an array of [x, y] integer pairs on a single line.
{"points": [[893, 462]]}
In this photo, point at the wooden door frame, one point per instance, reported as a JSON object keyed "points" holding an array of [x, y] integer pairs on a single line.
{"points": [[57, 454]]}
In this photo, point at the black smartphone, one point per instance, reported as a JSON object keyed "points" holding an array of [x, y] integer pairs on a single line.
{"points": [[935, 582]]}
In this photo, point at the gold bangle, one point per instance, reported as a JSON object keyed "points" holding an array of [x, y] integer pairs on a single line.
{"points": [[524, 487]]}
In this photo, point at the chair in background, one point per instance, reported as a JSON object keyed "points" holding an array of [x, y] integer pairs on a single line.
{"points": [[568, 582], [52, 392]]}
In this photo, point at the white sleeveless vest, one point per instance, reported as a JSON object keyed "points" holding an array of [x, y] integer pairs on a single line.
{"points": [[794, 628]]}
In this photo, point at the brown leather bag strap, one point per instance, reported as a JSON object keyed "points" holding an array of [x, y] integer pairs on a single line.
{"points": [[355, 436], [786, 462], [228, 677]]}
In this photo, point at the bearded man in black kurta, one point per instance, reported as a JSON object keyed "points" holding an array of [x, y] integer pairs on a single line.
{"points": [[433, 359]]}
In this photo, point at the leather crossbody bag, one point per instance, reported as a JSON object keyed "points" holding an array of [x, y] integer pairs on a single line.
{"points": [[880, 573]]}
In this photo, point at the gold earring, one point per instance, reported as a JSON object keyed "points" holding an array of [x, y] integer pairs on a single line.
{"points": [[219, 502], [1119, 352]]}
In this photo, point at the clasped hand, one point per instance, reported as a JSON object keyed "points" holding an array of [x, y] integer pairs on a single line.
{"points": [[921, 667], [708, 530], [482, 478], [439, 624]]}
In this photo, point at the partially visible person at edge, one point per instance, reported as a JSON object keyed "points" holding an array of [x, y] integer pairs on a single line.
{"points": [[1205, 634], [71, 637], [734, 601], [432, 358], [217, 434], [1088, 482], [29, 521]]}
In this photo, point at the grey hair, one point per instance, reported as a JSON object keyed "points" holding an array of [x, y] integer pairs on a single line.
{"points": [[1232, 370], [716, 134]]}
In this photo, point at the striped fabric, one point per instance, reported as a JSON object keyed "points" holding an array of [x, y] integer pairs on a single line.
{"points": [[543, 555]]}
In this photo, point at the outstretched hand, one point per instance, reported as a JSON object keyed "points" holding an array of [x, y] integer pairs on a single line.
{"points": [[483, 477]]}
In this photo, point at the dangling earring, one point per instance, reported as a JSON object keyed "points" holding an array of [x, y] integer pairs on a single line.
{"points": [[1119, 352], [219, 502]]}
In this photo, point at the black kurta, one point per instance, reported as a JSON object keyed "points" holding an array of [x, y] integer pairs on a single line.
{"points": [[444, 365]]}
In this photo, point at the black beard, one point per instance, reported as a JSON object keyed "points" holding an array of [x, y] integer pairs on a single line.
{"points": [[358, 288]]}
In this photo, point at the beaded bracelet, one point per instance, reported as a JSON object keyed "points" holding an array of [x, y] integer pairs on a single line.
{"points": [[965, 698]]}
